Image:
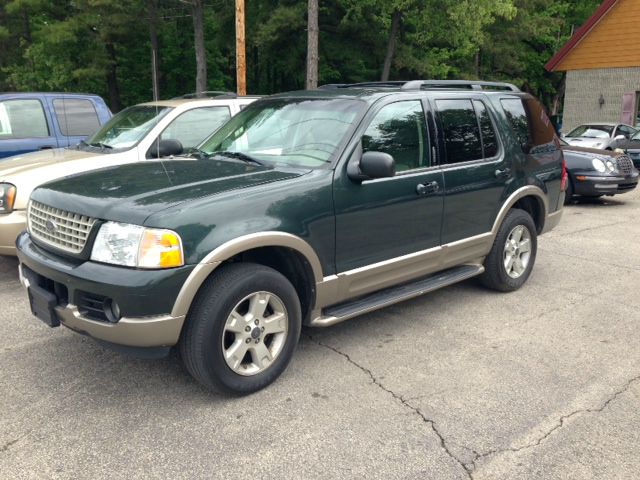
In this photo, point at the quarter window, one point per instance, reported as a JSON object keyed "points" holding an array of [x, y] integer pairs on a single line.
{"points": [[399, 130], [530, 123], [22, 119], [460, 130], [193, 127], [76, 117]]}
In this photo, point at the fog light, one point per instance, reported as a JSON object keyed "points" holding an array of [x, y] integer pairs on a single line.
{"points": [[112, 310]]}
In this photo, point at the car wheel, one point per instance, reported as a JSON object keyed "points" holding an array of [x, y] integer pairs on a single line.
{"points": [[568, 194], [511, 259], [242, 329]]}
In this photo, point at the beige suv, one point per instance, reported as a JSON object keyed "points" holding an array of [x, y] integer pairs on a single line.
{"points": [[144, 132]]}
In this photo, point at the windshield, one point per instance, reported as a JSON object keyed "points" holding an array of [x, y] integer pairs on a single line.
{"points": [[636, 136], [295, 132], [127, 128], [592, 131]]}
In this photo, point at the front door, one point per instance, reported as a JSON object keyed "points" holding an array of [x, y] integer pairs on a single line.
{"points": [[379, 221]]}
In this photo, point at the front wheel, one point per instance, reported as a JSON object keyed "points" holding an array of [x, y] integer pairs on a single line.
{"points": [[243, 328], [511, 259]]}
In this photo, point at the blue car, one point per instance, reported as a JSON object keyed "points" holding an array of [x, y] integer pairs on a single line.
{"points": [[40, 121]]}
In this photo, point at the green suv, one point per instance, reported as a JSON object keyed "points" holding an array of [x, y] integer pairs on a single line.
{"points": [[307, 208]]}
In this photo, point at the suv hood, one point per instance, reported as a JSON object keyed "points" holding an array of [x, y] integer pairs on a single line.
{"points": [[131, 193]]}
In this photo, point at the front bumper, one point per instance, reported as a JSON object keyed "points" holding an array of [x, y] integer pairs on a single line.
{"points": [[11, 225], [144, 296], [592, 184]]}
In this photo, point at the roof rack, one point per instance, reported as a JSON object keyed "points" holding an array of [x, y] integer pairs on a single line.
{"points": [[207, 94], [428, 85]]}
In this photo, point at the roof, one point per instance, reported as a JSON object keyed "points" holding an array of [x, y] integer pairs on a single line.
{"points": [[176, 102], [582, 32]]}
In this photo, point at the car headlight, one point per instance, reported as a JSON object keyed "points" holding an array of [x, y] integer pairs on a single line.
{"points": [[7, 197], [136, 246], [598, 165], [611, 167]]}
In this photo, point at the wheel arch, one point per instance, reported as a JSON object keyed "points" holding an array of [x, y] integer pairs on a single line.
{"points": [[289, 254], [531, 199]]}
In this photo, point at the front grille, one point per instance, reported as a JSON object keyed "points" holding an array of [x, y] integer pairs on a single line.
{"points": [[61, 229], [625, 165]]}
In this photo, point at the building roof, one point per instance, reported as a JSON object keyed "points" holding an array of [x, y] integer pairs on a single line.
{"points": [[555, 64]]}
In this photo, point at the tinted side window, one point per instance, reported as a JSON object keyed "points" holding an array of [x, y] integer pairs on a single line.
{"points": [[399, 130], [460, 130], [193, 127], [76, 117], [489, 140], [529, 122], [22, 119]]}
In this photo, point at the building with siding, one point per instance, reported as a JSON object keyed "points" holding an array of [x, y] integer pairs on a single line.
{"points": [[602, 61]]}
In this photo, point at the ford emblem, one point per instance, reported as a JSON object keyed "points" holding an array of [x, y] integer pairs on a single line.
{"points": [[51, 226]]}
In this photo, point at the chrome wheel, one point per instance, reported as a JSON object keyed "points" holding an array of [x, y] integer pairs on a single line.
{"points": [[255, 333], [517, 251]]}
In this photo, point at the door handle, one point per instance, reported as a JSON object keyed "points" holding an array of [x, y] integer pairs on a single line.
{"points": [[427, 188], [502, 174]]}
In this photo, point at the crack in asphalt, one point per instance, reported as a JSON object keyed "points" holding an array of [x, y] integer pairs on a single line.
{"points": [[403, 401], [561, 422], [470, 467], [6, 446]]}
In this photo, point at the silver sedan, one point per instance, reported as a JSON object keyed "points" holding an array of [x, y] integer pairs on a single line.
{"points": [[605, 136]]}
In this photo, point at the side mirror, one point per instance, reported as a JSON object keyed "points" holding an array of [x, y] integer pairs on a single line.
{"points": [[165, 148], [620, 137], [372, 165]]}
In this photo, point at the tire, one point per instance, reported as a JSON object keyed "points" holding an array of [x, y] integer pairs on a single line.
{"points": [[568, 194], [218, 321], [496, 276]]}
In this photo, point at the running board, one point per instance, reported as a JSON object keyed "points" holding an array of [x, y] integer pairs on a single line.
{"points": [[389, 296]]}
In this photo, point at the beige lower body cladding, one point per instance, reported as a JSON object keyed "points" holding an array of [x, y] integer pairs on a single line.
{"points": [[582, 95]]}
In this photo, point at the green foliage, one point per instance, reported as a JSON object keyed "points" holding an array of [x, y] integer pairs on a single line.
{"points": [[103, 46]]}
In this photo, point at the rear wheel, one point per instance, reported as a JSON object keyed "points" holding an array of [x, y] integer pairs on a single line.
{"points": [[242, 329], [511, 259]]}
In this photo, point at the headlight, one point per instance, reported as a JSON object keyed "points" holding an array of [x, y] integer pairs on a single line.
{"points": [[611, 167], [7, 197], [598, 165], [135, 246]]}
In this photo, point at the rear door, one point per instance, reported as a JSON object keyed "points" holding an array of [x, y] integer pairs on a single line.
{"points": [[474, 165], [25, 126], [76, 119]]}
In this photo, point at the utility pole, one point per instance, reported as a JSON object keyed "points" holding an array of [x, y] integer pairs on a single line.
{"points": [[241, 59], [312, 45]]}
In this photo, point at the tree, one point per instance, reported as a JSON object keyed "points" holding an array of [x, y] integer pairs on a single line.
{"points": [[197, 13]]}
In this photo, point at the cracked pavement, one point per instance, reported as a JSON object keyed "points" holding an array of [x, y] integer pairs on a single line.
{"points": [[462, 383]]}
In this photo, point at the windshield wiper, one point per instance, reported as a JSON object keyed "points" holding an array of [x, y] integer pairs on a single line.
{"points": [[196, 152], [103, 146], [239, 155]]}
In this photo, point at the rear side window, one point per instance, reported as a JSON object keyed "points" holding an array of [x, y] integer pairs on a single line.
{"points": [[22, 119], [461, 130], [489, 139], [193, 127], [529, 122], [76, 117]]}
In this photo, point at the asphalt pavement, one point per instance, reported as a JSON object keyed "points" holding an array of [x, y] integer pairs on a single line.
{"points": [[542, 383]]}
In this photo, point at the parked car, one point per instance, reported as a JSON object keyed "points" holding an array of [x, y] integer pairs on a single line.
{"points": [[604, 136], [306, 208], [594, 173], [43, 121], [137, 134], [632, 148]]}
